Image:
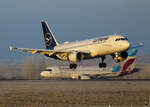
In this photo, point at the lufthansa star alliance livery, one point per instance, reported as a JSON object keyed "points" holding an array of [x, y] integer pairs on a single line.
{"points": [[114, 45]]}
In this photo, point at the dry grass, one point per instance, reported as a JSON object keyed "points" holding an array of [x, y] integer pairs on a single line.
{"points": [[52, 93]]}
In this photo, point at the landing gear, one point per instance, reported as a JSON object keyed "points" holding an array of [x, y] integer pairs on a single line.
{"points": [[73, 66], [102, 64], [118, 61]]}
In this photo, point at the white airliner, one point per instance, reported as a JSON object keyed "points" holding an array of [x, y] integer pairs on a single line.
{"points": [[114, 45], [92, 72]]}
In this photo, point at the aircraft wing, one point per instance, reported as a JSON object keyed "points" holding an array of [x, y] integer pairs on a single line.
{"points": [[43, 51], [137, 46], [33, 51]]}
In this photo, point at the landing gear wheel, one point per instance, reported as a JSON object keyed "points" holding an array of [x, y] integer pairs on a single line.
{"points": [[73, 66], [118, 61], [102, 65]]}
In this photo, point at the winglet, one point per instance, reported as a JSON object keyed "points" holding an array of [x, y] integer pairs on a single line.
{"points": [[141, 43], [11, 48], [138, 46]]}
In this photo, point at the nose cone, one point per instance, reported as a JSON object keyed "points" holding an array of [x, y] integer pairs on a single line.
{"points": [[45, 74], [126, 45]]}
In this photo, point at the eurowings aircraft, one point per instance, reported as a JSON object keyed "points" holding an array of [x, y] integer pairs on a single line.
{"points": [[84, 73], [114, 45]]}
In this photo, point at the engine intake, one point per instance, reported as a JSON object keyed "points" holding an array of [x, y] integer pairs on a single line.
{"points": [[75, 56], [120, 56]]}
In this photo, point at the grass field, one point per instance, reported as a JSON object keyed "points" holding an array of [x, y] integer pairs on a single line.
{"points": [[65, 93]]}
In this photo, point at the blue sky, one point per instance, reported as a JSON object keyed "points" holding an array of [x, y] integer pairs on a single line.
{"points": [[71, 20]]}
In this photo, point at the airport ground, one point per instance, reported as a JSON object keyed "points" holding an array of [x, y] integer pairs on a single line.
{"points": [[68, 93], [21, 86]]}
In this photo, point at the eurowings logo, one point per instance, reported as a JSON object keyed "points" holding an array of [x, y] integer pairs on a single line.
{"points": [[128, 66]]}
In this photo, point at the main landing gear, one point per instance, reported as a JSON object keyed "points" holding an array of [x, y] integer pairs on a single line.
{"points": [[102, 64], [73, 66]]}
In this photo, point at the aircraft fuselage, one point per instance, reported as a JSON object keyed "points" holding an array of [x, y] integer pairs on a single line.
{"points": [[96, 47]]}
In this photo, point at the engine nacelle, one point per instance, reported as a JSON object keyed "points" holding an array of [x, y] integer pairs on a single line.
{"points": [[81, 77], [75, 56], [120, 56], [85, 77]]}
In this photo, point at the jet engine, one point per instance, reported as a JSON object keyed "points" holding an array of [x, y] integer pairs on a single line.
{"points": [[118, 57], [75, 56]]}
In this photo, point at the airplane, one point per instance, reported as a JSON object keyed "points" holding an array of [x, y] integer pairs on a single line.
{"points": [[114, 45], [91, 72]]}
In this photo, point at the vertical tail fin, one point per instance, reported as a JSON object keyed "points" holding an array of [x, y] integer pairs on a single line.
{"points": [[49, 38], [128, 65]]}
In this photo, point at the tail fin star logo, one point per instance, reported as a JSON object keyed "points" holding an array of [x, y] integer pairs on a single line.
{"points": [[48, 39]]}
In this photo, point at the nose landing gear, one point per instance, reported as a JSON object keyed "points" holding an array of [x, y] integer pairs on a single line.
{"points": [[102, 64], [73, 66]]}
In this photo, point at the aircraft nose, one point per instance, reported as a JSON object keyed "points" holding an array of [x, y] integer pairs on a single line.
{"points": [[126, 45], [45, 74]]}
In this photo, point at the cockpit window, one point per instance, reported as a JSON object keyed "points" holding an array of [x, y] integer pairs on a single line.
{"points": [[118, 39], [48, 69]]}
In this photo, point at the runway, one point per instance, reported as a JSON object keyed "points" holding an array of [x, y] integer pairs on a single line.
{"points": [[73, 93]]}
